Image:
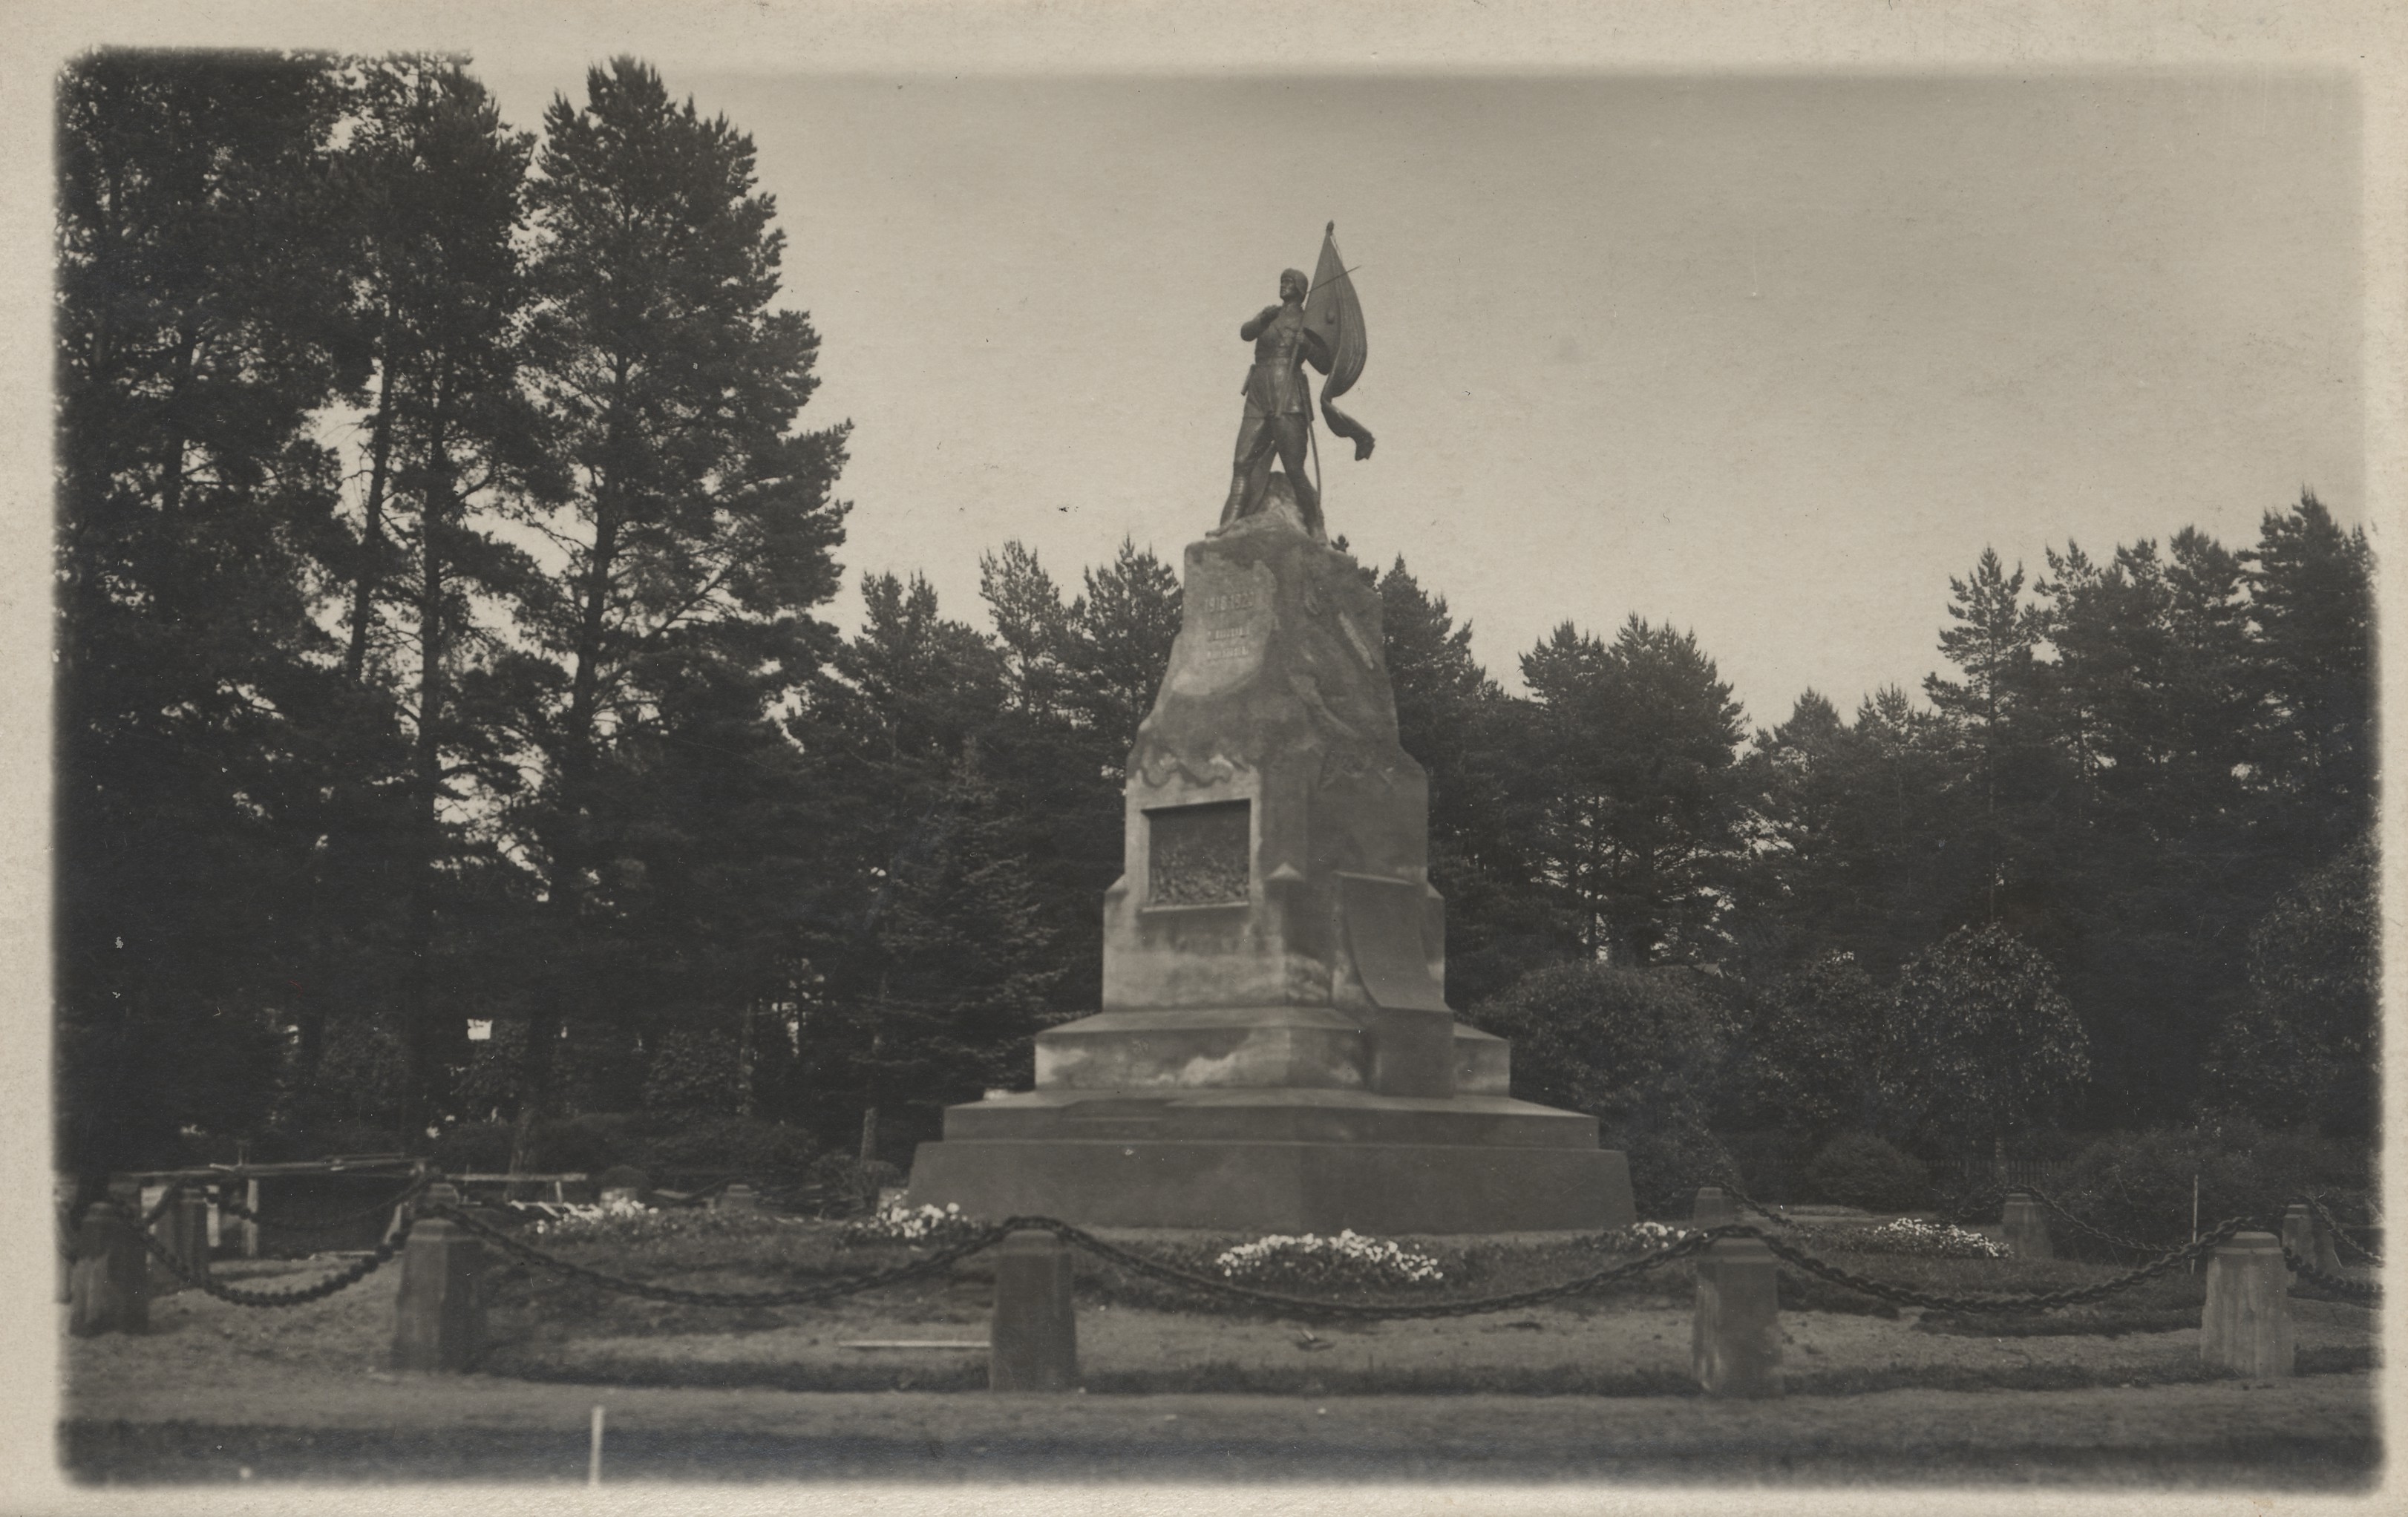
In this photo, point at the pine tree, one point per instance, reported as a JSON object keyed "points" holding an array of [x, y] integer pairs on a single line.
{"points": [[200, 724], [699, 528], [1636, 782], [454, 448]]}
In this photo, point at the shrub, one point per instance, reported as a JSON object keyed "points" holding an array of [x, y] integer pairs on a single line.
{"points": [[849, 1186], [1815, 1054], [745, 1144], [1858, 1169], [588, 1144], [2301, 1049], [2138, 1185], [1991, 1045], [1348, 1261], [694, 1070], [1640, 1050], [468, 1148]]}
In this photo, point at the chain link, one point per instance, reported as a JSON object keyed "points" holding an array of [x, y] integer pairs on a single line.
{"points": [[1087, 1242], [167, 1203], [341, 1279], [802, 1296], [1357, 1311], [1730, 1183], [2340, 1233], [2099, 1233], [1976, 1305], [2359, 1292]]}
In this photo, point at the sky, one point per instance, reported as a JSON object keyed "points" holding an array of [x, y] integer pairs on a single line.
{"points": [[1768, 358]]}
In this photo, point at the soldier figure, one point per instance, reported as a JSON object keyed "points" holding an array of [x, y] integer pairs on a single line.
{"points": [[1277, 409]]}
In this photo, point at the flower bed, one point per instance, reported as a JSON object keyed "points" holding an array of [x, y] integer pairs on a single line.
{"points": [[632, 1222], [1917, 1238], [1309, 1260], [902, 1223], [1641, 1237]]}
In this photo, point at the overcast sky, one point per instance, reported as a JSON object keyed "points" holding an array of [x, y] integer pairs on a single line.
{"points": [[1766, 358]]}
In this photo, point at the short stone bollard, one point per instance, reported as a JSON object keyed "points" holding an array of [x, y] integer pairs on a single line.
{"points": [[2298, 1237], [2024, 1228], [440, 1323], [2247, 1327], [1033, 1343], [189, 1237], [2327, 1257], [1735, 1341], [736, 1198], [1713, 1208], [109, 1289]]}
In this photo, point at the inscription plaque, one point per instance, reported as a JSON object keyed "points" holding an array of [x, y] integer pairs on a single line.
{"points": [[1197, 855]]}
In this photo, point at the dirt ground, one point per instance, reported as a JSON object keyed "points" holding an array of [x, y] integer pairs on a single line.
{"points": [[221, 1392]]}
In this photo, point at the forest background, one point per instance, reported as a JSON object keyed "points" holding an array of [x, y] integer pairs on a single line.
{"points": [[453, 756]]}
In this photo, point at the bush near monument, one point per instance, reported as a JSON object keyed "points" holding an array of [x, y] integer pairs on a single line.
{"points": [[1858, 1169], [1640, 1050], [2138, 1185]]}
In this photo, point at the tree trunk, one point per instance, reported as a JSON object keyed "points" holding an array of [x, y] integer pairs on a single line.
{"points": [[426, 785], [570, 843], [371, 531]]}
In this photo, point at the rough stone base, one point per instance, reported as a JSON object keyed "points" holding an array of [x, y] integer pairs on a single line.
{"points": [[1256, 1162]]}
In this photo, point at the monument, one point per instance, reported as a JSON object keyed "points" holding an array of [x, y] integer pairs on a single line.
{"points": [[1274, 1052]]}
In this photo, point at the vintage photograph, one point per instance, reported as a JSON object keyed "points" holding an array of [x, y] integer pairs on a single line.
{"points": [[1538, 778]]}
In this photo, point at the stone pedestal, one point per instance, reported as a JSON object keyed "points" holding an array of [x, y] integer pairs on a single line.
{"points": [[439, 1322], [1274, 1050], [2024, 1228], [1711, 1208], [2247, 1325], [1032, 1344], [1735, 1338], [109, 1287], [2300, 1236]]}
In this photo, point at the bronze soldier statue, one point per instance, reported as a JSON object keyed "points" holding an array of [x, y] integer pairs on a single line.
{"points": [[1277, 405]]}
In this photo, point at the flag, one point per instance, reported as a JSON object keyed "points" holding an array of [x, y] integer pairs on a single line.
{"points": [[1332, 311]]}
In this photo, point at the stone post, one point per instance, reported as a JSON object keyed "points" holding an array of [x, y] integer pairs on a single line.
{"points": [[440, 1323], [2246, 1328], [111, 1287], [1033, 1343], [2298, 1235], [2024, 1228], [736, 1198], [191, 1240], [1713, 1208], [2328, 1256], [1735, 1340]]}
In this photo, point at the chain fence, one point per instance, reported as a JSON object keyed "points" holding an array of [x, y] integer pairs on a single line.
{"points": [[2363, 1293], [2340, 1233], [1906, 1295], [983, 1237], [1739, 1193], [341, 1279], [335, 1224], [1166, 1273], [2087, 1229]]}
